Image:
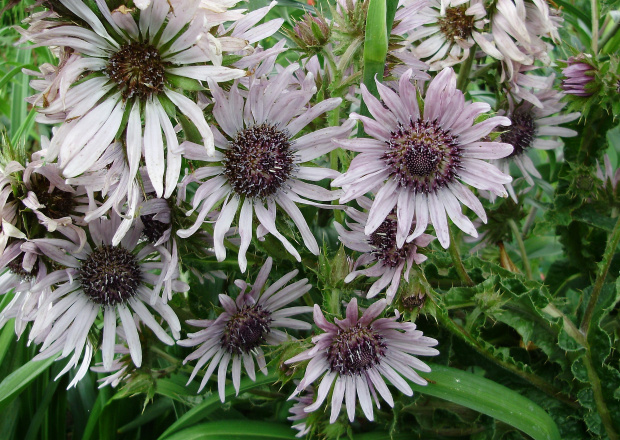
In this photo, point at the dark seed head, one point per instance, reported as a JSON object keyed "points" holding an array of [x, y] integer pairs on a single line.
{"points": [[456, 25], [521, 132], [138, 70], [58, 203], [259, 161], [355, 350], [153, 229], [110, 275], [16, 266], [246, 329], [423, 156], [383, 243]]}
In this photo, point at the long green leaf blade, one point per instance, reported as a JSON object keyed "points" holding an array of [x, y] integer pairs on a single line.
{"points": [[15, 382], [490, 398], [236, 429], [212, 403]]}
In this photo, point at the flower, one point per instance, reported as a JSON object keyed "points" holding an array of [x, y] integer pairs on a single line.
{"points": [[130, 69], [380, 250], [423, 156], [449, 30], [246, 324], [259, 161], [529, 124], [578, 75], [356, 352], [117, 281], [299, 414]]}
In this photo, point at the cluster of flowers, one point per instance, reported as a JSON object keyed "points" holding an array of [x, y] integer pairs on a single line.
{"points": [[90, 240]]}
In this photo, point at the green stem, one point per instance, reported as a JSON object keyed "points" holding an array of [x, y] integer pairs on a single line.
{"points": [[517, 235], [601, 406], [594, 7], [456, 259], [463, 78], [610, 34], [535, 380], [612, 244]]}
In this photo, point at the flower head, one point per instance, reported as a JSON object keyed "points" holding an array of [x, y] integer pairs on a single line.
{"points": [[117, 281], [260, 161], [355, 354], [418, 159], [246, 323], [130, 66], [578, 76], [380, 251]]}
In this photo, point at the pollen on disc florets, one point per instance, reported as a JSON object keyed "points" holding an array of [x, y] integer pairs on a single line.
{"points": [[138, 70], [259, 160], [355, 350], [110, 275], [521, 132], [423, 156], [58, 203], [246, 329], [456, 25], [383, 243]]}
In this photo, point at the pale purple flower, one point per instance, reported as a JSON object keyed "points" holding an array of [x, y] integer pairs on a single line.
{"points": [[534, 127], [130, 70], [450, 28], [258, 164], [356, 354], [116, 281], [607, 175], [380, 253], [245, 324], [298, 413], [8, 205], [421, 159], [577, 75]]}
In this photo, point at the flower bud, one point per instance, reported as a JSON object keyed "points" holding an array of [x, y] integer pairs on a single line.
{"points": [[578, 75]]}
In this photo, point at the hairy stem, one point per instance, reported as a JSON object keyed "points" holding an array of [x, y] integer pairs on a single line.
{"points": [[594, 7], [612, 244], [524, 259], [463, 79], [456, 259]]}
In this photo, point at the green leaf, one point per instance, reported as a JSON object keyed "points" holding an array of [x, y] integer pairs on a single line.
{"points": [[212, 402], [490, 398], [15, 382], [19, 92], [237, 430]]}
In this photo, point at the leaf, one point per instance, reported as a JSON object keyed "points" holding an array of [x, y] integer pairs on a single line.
{"points": [[490, 398], [15, 382], [237, 430], [212, 402]]}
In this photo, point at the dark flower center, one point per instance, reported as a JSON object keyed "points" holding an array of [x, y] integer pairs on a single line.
{"points": [[259, 161], [415, 301], [153, 229], [355, 350], [423, 156], [110, 275], [16, 266], [383, 243], [138, 70], [456, 25], [246, 329], [521, 132], [58, 203]]}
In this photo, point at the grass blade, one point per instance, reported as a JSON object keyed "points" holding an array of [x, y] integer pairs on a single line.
{"points": [[15, 382], [236, 429]]}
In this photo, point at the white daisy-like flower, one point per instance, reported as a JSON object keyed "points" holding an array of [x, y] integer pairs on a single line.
{"points": [[380, 251], [131, 67], [450, 29], [245, 324], [356, 354], [298, 413], [117, 281], [258, 165], [425, 157], [534, 127]]}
